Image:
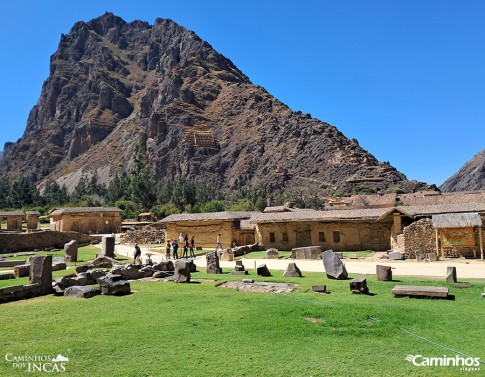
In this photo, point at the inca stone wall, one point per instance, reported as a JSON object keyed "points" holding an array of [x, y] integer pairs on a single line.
{"points": [[419, 236], [39, 240]]}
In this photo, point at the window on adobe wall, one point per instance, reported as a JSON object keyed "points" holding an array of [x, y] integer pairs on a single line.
{"points": [[271, 237], [321, 236], [336, 236], [285, 237]]}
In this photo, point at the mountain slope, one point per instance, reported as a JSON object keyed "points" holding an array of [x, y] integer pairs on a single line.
{"points": [[471, 176], [111, 81]]}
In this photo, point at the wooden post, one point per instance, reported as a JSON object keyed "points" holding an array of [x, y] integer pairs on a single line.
{"points": [[481, 241], [437, 243]]}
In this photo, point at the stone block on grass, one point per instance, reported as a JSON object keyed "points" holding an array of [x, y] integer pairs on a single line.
{"points": [[292, 271], [334, 268]]}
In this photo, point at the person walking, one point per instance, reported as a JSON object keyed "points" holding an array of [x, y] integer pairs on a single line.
{"points": [[186, 247], [167, 250], [192, 247], [218, 243]]}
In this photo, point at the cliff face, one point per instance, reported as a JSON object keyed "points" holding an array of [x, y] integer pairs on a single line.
{"points": [[471, 176], [111, 81]]}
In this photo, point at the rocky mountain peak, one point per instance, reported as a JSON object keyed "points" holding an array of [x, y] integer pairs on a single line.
{"points": [[111, 81]]}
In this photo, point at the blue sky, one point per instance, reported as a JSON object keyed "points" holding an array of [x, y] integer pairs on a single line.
{"points": [[405, 78]]}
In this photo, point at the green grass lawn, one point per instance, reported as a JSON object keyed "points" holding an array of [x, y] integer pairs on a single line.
{"points": [[168, 329]]}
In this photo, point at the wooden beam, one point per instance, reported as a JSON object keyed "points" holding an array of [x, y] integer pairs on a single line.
{"points": [[437, 242], [481, 241]]}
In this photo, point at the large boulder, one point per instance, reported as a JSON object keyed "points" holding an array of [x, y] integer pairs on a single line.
{"points": [[166, 265], [182, 271], [292, 271], [103, 261], [114, 285], [81, 291], [108, 246], [41, 273], [262, 270], [307, 252], [334, 267], [130, 273], [272, 253], [213, 263], [70, 251], [384, 273]]}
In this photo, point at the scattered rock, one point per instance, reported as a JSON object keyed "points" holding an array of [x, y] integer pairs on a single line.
{"points": [[395, 255], [334, 267], [103, 262], [213, 263], [182, 271], [114, 285], [21, 270], [292, 271], [451, 274], [384, 273], [81, 291], [272, 253], [70, 251], [359, 286], [262, 270], [59, 266]]}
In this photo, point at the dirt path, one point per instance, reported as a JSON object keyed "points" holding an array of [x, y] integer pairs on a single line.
{"points": [[469, 269]]}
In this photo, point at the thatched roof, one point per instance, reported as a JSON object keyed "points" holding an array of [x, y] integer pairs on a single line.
{"points": [[456, 220], [79, 210], [11, 213], [372, 214], [428, 210], [208, 216]]}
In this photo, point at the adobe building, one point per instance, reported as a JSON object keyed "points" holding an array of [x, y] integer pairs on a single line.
{"points": [[32, 219], [349, 230], [88, 220], [13, 219], [232, 226], [449, 230]]}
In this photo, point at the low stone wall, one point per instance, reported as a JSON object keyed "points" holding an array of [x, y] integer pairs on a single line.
{"points": [[18, 292], [39, 240], [419, 236]]}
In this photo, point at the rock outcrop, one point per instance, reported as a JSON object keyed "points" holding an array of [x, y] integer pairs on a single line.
{"points": [[471, 176]]}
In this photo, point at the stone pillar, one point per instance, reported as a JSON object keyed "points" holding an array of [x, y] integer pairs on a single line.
{"points": [[451, 274], [108, 246], [41, 272], [70, 251]]}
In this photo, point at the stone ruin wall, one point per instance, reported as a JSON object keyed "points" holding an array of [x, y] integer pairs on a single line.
{"points": [[29, 241], [419, 236]]}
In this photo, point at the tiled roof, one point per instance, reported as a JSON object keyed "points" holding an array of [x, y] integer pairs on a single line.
{"points": [[428, 210], [33, 213], [327, 216], [11, 213], [74, 210], [208, 216]]}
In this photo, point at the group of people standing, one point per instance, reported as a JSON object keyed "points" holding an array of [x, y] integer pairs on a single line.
{"points": [[184, 244]]}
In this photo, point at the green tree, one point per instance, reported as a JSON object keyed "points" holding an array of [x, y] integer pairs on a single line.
{"points": [[213, 206], [118, 188], [142, 191], [4, 192], [23, 193], [164, 210]]}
